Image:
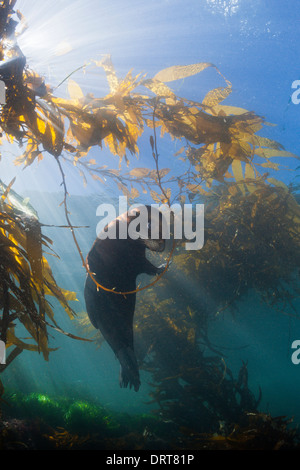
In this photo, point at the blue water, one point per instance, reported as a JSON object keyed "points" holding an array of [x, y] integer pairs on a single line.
{"points": [[255, 46]]}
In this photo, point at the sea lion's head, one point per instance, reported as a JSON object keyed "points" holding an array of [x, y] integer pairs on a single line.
{"points": [[149, 225]]}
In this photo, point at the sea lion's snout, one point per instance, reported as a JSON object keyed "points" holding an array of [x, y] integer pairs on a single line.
{"points": [[155, 245]]}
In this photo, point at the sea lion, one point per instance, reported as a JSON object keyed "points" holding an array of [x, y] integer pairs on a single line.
{"points": [[116, 263]]}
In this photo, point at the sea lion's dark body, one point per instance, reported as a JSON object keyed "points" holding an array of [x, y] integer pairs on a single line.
{"points": [[116, 264]]}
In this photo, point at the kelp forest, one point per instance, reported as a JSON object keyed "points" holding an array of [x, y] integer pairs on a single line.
{"points": [[251, 244]]}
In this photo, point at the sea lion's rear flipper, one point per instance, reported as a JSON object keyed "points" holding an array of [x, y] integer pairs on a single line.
{"points": [[129, 371]]}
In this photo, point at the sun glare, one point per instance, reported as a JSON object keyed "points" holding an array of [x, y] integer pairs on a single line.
{"points": [[46, 40]]}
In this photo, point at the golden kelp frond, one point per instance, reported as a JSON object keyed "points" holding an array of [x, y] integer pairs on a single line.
{"points": [[112, 79], [35, 83], [178, 72], [114, 120], [62, 295], [25, 276], [244, 157], [63, 439]]}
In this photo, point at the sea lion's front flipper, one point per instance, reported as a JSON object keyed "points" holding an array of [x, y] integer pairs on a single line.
{"points": [[129, 371]]}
